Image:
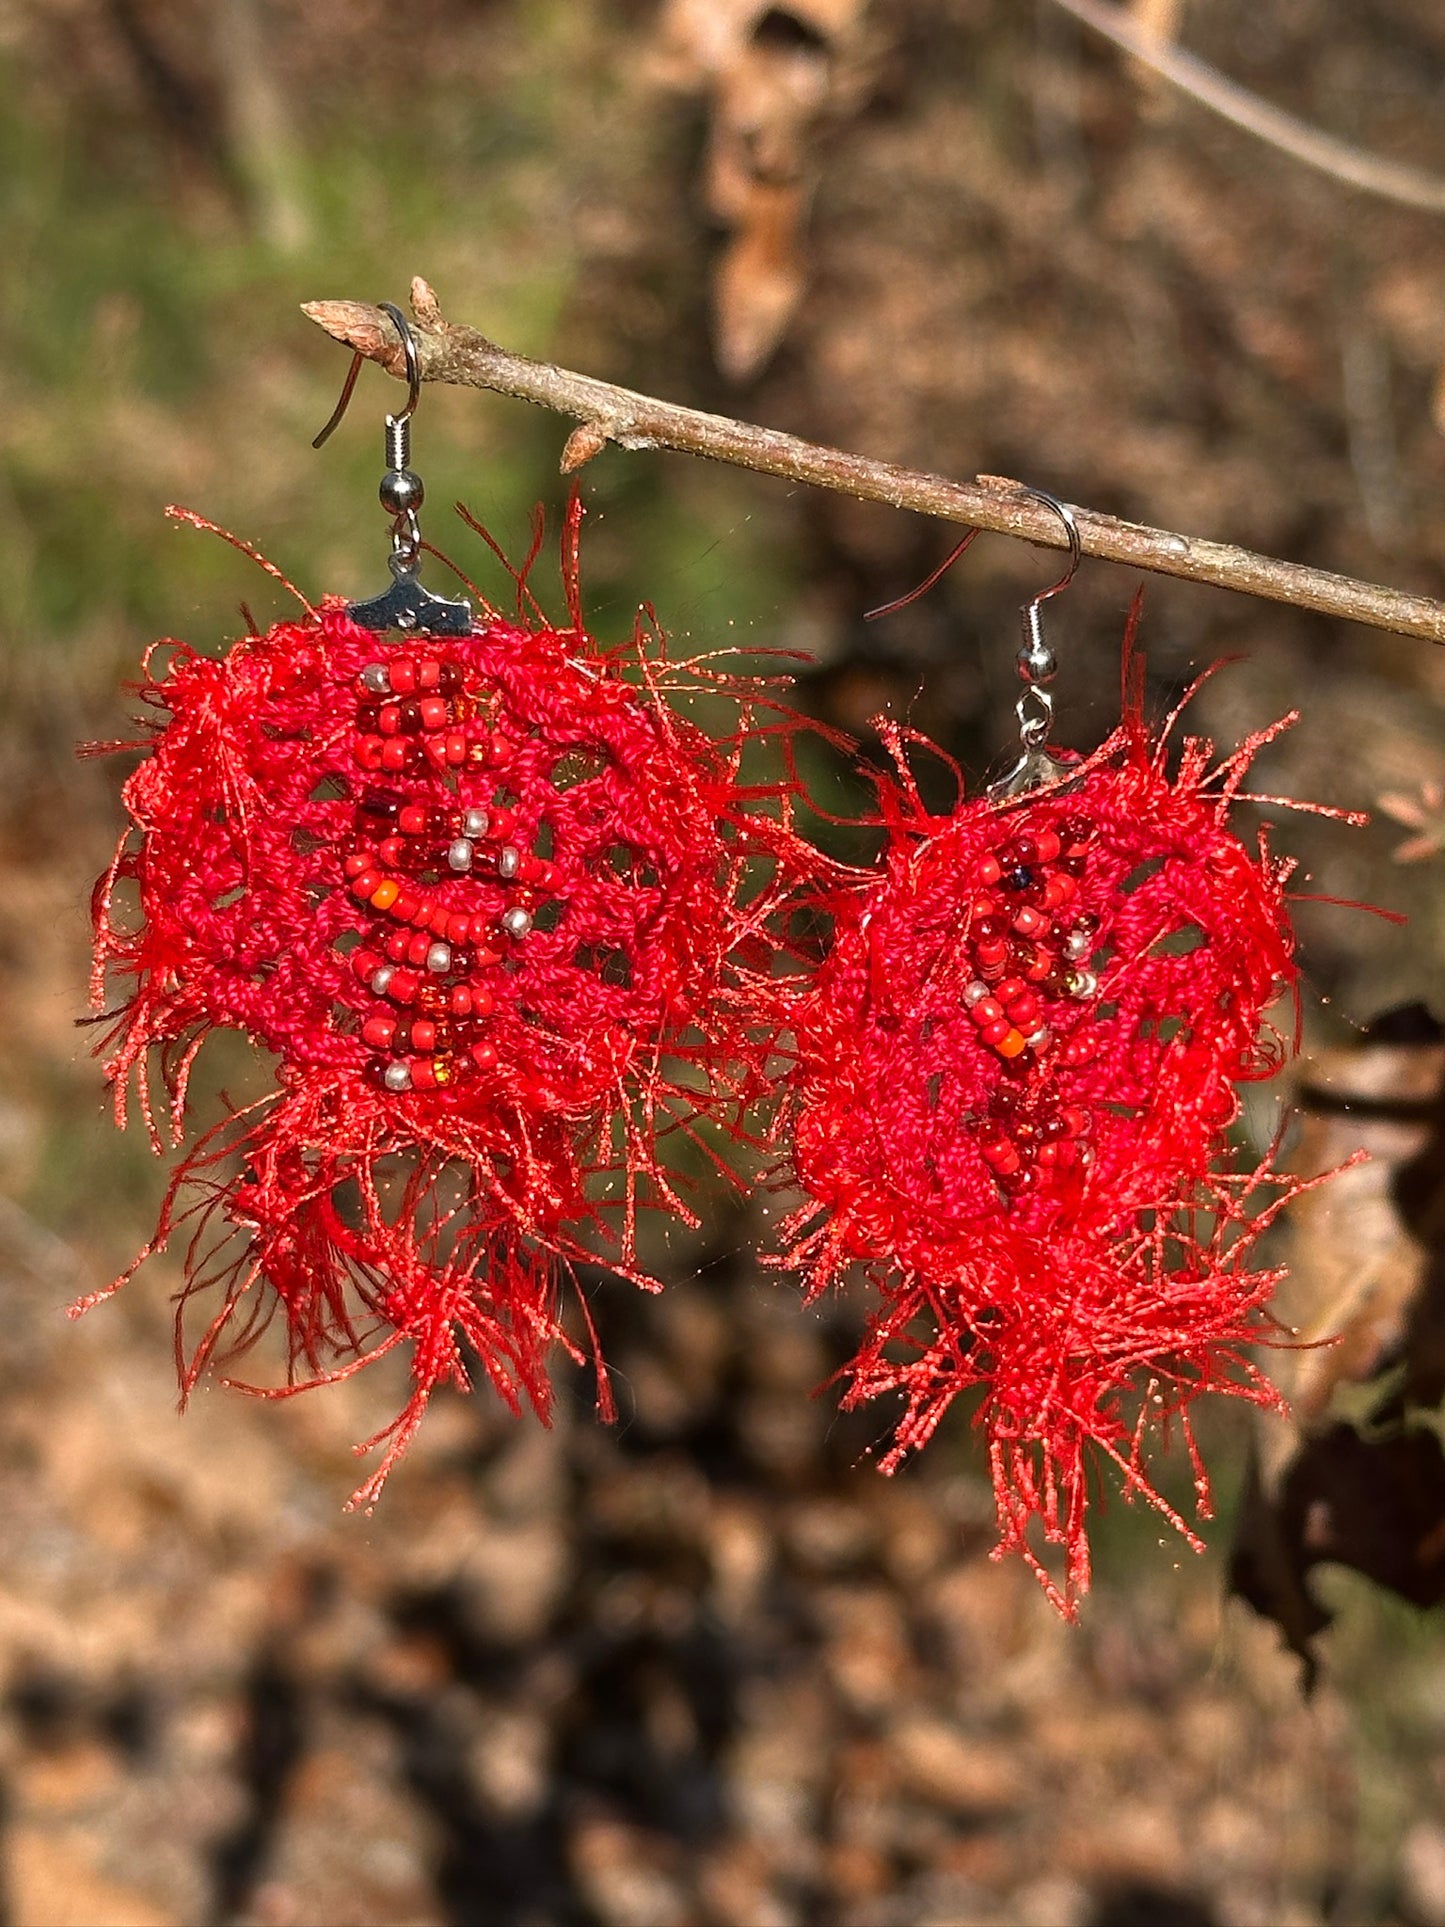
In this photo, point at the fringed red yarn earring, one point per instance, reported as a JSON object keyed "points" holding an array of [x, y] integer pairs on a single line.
{"points": [[501, 915], [1015, 1088]]}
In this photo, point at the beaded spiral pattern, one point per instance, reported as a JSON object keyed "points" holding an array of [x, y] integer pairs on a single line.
{"points": [[501, 915], [1016, 1077]]}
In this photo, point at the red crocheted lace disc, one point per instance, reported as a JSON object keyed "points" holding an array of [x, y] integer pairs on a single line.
{"points": [[503, 918], [1016, 1081]]}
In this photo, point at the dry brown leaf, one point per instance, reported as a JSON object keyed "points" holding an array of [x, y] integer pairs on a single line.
{"points": [[778, 77]]}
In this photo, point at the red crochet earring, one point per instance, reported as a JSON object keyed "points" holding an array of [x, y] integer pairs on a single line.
{"points": [[1015, 1087], [501, 916]]}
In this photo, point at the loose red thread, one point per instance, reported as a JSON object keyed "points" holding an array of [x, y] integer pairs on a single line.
{"points": [[1016, 1078], [504, 919]]}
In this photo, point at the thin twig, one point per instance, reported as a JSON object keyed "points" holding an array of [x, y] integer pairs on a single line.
{"points": [[452, 353], [1392, 180]]}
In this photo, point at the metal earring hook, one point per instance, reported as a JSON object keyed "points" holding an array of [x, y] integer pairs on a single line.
{"points": [[413, 380], [1037, 667], [406, 604]]}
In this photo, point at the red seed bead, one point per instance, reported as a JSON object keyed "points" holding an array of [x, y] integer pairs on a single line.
{"points": [[989, 869], [406, 905], [1076, 1120], [423, 1073], [459, 1000], [403, 986], [439, 919], [482, 1001], [1058, 891], [378, 1031], [458, 930], [388, 719], [365, 882], [412, 819], [368, 752], [485, 957], [988, 1010], [548, 877], [403, 675], [1059, 1154], [1040, 966], [396, 945], [357, 862], [1030, 922], [365, 964], [1047, 844], [484, 1056], [500, 750], [1010, 988], [395, 753], [982, 907], [421, 916], [994, 1032], [456, 749], [423, 1034], [433, 712], [1081, 1048], [502, 823], [991, 956], [392, 851], [428, 673]]}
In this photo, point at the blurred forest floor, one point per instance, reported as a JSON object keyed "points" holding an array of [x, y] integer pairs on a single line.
{"points": [[705, 1666]]}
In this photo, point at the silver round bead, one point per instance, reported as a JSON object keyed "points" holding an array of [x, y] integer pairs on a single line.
{"points": [[975, 992], [377, 678], [517, 923], [1076, 946], [439, 957], [401, 491], [459, 854], [381, 979], [397, 1077], [509, 861], [1037, 663], [1082, 983], [476, 823]]}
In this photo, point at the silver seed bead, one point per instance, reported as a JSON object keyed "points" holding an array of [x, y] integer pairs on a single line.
{"points": [[377, 678], [517, 923], [459, 854], [1083, 983], [975, 993], [509, 861], [1076, 946], [1039, 1038], [476, 823], [397, 1077], [439, 957], [381, 979]]}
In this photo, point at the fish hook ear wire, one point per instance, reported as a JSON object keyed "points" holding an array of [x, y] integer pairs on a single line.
{"points": [[406, 605], [348, 387]]}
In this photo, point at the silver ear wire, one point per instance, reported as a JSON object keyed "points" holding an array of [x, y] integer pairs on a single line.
{"points": [[406, 604], [1037, 667]]}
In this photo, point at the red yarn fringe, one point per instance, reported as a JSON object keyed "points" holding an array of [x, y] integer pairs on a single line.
{"points": [[638, 996]]}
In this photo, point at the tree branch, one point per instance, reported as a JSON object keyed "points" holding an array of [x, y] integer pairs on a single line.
{"points": [[1370, 173], [452, 353]]}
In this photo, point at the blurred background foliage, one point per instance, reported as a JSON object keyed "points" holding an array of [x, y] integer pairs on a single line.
{"points": [[706, 1667]]}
